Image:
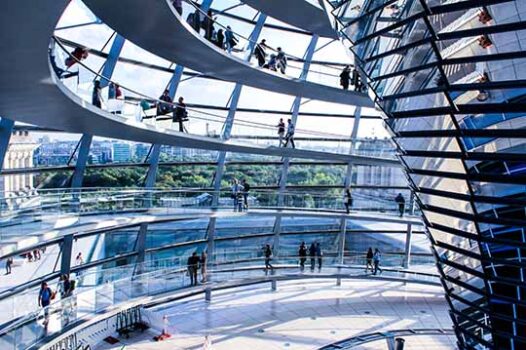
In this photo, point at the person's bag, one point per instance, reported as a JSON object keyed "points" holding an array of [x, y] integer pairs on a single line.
{"points": [[233, 41], [53, 295]]}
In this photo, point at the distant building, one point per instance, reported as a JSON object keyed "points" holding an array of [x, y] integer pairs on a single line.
{"points": [[141, 151], [18, 155], [122, 152]]}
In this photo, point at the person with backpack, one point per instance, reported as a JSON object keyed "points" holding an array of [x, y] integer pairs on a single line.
{"points": [[237, 193], [302, 253], [180, 115], [260, 53], [281, 131], [230, 39], [377, 257], [45, 295], [401, 204], [246, 190], [290, 134], [369, 260], [281, 59], [345, 77]]}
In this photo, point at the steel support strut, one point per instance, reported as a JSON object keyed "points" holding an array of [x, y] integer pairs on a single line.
{"points": [[309, 53], [234, 100]]}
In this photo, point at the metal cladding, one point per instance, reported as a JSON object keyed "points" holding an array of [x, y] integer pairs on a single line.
{"points": [[449, 77]]}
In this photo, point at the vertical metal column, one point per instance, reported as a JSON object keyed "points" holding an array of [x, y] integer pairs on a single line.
{"points": [[153, 165], [347, 182], [82, 159], [234, 100], [140, 248], [112, 59], [6, 129], [210, 251], [309, 53], [408, 238], [66, 251]]}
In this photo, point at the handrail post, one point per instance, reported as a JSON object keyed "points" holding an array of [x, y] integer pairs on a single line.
{"points": [[408, 237]]}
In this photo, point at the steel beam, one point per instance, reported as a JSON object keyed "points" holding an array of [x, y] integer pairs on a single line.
{"points": [[408, 238], [153, 165], [234, 101], [309, 53], [82, 159], [66, 251], [113, 58], [140, 248], [6, 129], [210, 246], [348, 180]]}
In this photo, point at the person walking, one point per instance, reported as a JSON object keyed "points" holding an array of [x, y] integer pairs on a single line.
{"points": [[281, 131], [345, 77], [207, 345], [208, 25], [194, 20], [45, 295], [8, 265], [220, 39], [230, 39], [347, 199], [180, 115], [237, 195], [202, 261], [401, 204], [281, 59], [369, 260], [96, 95], [302, 253], [312, 254], [290, 134], [178, 4], [246, 190], [192, 265], [319, 255], [268, 257], [260, 52], [377, 257]]}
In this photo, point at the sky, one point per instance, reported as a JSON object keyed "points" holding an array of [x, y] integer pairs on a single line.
{"points": [[212, 92]]}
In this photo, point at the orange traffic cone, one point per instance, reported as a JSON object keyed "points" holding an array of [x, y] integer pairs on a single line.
{"points": [[164, 335]]}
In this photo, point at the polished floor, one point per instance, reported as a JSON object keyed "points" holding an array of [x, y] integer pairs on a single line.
{"points": [[301, 315]]}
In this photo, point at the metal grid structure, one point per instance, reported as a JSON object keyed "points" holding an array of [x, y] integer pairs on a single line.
{"points": [[448, 76]]}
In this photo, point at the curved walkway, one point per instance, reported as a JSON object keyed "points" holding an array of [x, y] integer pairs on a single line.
{"points": [[291, 314], [30, 94], [358, 340], [163, 32], [18, 245], [299, 13]]}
